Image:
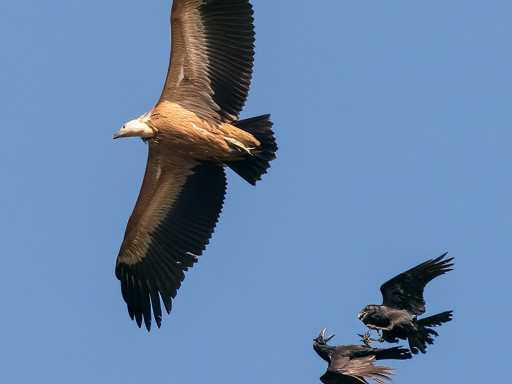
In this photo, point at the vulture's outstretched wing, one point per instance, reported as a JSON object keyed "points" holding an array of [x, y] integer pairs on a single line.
{"points": [[178, 207], [212, 53], [405, 291], [343, 370]]}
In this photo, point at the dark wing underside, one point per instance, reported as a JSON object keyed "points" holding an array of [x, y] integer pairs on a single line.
{"points": [[343, 370], [212, 53], [405, 291], [178, 207]]}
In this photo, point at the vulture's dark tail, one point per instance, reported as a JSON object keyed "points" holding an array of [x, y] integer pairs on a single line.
{"points": [[424, 335], [397, 353], [256, 164]]}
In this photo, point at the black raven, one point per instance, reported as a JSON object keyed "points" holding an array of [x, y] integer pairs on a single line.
{"points": [[403, 301], [352, 364]]}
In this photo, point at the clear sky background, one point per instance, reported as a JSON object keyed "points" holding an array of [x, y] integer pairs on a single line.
{"points": [[393, 120]]}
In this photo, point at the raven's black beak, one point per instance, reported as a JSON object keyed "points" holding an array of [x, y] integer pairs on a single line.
{"points": [[326, 339]]}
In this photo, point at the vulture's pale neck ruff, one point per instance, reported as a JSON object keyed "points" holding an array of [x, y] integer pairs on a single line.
{"points": [[137, 127]]}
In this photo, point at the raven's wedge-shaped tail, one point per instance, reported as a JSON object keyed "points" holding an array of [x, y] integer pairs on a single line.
{"points": [[396, 353], [256, 164], [424, 335]]}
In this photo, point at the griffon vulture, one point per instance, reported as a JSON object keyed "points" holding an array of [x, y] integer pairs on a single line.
{"points": [[193, 132]]}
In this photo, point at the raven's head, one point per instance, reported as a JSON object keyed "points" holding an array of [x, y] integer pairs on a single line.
{"points": [[367, 312], [321, 340]]}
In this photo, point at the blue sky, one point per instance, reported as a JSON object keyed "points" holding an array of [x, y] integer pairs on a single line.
{"points": [[394, 126]]}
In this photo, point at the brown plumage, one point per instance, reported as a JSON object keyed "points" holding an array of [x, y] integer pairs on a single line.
{"points": [[355, 364], [192, 133]]}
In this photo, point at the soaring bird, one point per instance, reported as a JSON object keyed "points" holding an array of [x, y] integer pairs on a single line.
{"points": [[193, 132], [352, 364], [403, 301]]}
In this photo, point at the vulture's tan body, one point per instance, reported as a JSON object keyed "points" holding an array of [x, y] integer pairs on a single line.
{"points": [[183, 132]]}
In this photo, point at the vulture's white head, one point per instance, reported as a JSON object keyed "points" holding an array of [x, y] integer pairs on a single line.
{"points": [[137, 127]]}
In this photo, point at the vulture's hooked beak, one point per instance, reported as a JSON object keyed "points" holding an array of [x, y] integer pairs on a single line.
{"points": [[118, 134]]}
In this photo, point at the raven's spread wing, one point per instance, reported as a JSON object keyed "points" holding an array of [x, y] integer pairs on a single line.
{"points": [[212, 53], [405, 291], [343, 370], [178, 207]]}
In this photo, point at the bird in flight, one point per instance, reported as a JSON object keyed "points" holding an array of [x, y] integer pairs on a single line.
{"points": [[353, 364], [403, 301], [192, 133]]}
